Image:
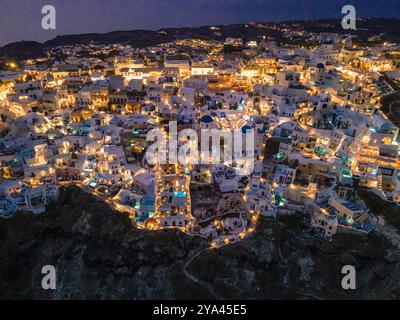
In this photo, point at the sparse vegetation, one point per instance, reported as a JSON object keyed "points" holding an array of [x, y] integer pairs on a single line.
{"points": [[100, 255], [389, 211]]}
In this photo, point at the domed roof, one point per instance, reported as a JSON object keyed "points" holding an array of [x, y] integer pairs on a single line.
{"points": [[320, 66], [245, 128], [206, 119]]}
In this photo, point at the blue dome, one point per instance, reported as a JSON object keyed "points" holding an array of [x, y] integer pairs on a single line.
{"points": [[320, 66], [206, 119], [245, 128]]}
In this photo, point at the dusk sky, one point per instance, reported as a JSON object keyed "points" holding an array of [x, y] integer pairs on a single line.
{"points": [[21, 19]]}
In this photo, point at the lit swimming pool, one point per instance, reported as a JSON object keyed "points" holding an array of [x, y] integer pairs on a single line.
{"points": [[180, 194]]}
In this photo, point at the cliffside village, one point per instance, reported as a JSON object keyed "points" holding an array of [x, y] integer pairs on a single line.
{"points": [[80, 116]]}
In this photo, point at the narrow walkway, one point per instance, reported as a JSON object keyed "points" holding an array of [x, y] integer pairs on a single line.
{"points": [[201, 283], [390, 233]]}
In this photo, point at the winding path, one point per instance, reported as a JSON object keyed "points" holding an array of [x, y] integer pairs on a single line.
{"points": [[390, 233], [199, 282]]}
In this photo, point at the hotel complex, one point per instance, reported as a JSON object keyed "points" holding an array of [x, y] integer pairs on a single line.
{"points": [[82, 115]]}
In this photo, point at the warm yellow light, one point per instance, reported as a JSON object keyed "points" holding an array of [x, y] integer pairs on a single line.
{"points": [[11, 64]]}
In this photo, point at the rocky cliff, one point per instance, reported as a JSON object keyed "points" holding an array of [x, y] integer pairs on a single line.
{"points": [[99, 255]]}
